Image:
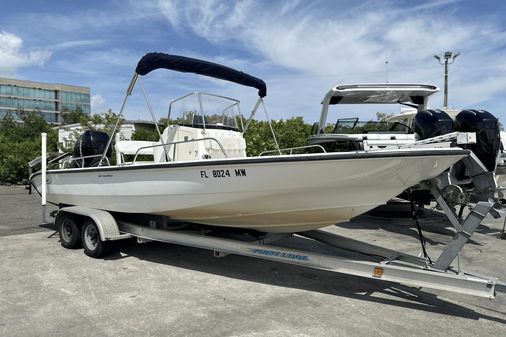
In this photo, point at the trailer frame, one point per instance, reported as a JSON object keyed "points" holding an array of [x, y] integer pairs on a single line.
{"points": [[390, 265]]}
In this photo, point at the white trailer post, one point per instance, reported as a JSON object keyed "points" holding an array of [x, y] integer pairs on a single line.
{"points": [[43, 171]]}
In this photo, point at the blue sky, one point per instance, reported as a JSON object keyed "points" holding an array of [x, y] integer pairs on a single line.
{"points": [[300, 48]]}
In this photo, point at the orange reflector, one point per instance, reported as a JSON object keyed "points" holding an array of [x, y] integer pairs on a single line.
{"points": [[377, 272]]}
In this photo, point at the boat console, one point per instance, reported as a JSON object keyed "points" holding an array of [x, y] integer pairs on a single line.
{"points": [[203, 126]]}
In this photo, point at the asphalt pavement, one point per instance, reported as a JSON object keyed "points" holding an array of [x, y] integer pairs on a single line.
{"points": [[20, 212], [160, 289]]}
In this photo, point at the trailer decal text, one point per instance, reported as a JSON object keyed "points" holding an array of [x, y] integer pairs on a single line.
{"points": [[281, 254]]}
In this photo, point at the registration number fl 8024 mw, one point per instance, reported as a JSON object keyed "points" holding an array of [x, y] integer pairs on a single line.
{"points": [[222, 173]]}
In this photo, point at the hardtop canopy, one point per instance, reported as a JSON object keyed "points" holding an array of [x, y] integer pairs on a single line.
{"points": [[381, 93]]}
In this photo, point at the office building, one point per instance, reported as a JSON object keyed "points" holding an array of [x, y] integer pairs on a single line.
{"points": [[50, 99]]}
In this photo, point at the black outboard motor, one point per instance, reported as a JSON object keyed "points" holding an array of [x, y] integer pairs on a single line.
{"points": [[432, 123], [91, 143], [488, 137]]}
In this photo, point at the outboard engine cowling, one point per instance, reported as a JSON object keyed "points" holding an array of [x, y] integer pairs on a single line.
{"points": [[90, 143], [432, 123], [488, 137]]}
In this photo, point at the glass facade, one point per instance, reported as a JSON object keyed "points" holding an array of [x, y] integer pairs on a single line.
{"points": [[27, 104], [50, 102], [72, 101], [26, 92]]}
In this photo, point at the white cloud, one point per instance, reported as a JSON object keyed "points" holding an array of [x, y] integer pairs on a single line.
{"points": [[97, 102], [323, 45], [12, 56], [299, 48], [170, 11], [75, 44]]}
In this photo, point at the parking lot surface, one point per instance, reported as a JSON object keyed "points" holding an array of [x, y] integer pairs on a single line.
{"points": [[160, 289]]}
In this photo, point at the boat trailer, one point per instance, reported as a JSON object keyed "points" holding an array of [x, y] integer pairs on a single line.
{"points": [[97, 228]]}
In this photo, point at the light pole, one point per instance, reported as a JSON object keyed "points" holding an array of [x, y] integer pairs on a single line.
{"points": [[447, 57]]}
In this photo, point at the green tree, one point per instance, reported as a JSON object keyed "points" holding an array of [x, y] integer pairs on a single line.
{"points": [[20, 142], [146, 133], [382, 116], [74, 117], [20, 138], [290, 133]]}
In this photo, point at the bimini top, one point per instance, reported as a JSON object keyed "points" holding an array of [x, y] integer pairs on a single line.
{"points": [[381, 93], [152, 61]]}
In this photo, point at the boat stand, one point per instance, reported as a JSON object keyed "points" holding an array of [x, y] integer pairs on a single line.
{"points": [[464, 228]]}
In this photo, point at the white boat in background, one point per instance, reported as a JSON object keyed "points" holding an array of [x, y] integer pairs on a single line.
{"points": [[475, 178], [199, 171], [353, 134]]}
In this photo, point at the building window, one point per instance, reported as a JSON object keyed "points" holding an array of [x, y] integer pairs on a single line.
{"points": [[49, 102]]}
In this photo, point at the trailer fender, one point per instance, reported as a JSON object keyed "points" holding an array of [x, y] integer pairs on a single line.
{"points": [[106, 224]]}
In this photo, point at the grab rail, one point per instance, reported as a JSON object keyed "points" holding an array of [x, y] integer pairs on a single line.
{"points": [[50, 158], [85, 157], [58, 158], [294, 148], [181, 142]]}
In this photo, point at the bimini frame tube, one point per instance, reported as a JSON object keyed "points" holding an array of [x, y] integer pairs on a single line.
{"points": [[150, 108], [128, 93], [272, 129], [43, 169], [260, 101], [253, 112]]}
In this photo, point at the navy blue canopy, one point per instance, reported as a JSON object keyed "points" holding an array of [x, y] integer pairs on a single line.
{"points": [[152, 61]]}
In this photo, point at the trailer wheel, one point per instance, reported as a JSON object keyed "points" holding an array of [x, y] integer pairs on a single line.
{"points": [[90, 238], [69, 231]]}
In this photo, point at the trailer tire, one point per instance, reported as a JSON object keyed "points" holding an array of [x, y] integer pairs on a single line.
{"points": [[90, 238], [69, 231]]}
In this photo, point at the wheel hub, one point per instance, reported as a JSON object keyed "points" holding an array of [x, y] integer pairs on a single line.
{"points": [[91, 237], [67, 230]]}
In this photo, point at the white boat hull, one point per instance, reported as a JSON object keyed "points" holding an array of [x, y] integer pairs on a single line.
{"points": [[272, 194]]}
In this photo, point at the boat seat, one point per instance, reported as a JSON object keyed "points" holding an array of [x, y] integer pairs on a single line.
{"points": [[132, 146]]}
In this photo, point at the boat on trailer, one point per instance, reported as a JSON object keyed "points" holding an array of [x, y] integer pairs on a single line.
{"points": [[200, 172]]}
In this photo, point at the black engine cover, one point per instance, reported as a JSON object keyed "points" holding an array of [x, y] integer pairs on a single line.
{"points": [[90, 143], [488, 137], [432, 123]]}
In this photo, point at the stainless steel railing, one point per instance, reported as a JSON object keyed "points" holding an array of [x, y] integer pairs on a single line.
{"points": [[181, 142], [291, 149], [83, 158]]}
